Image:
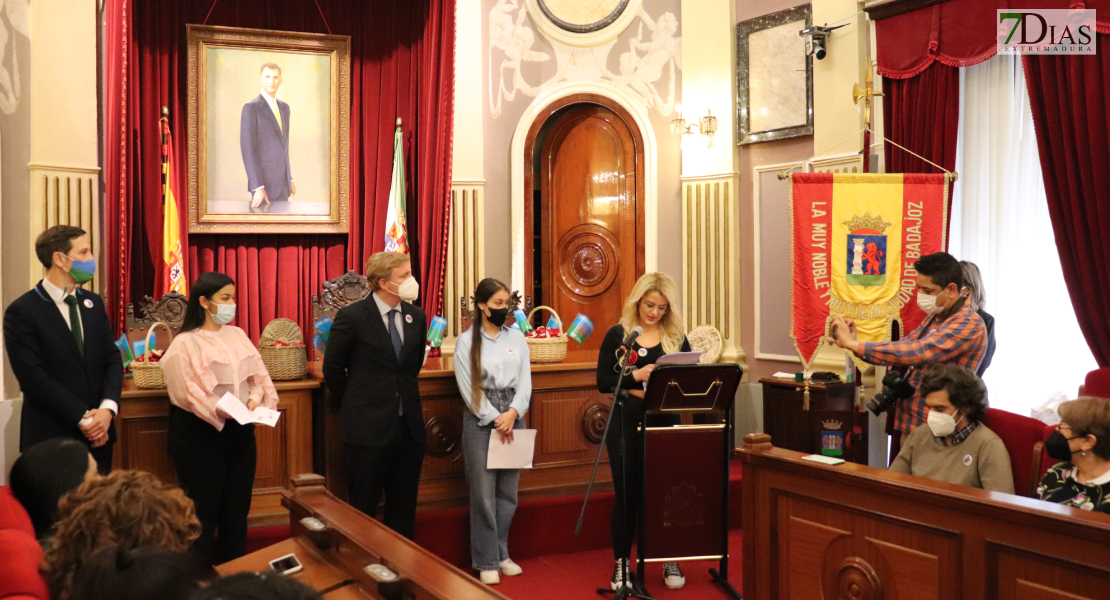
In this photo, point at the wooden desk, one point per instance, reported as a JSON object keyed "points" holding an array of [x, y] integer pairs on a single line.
{"points": [[852, 531], [334, 560], [832, 408], [283, 451], [567, 411]]}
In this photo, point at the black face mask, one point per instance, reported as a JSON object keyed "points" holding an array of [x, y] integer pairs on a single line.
{"points": [[497, 316], [1058, 447]]}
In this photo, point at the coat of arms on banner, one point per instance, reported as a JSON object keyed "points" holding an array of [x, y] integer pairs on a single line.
{"points": [[855, 240], [866, 250]]}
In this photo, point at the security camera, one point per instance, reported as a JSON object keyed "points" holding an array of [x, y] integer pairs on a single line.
{"points": [[815, 46], [817, 37]]}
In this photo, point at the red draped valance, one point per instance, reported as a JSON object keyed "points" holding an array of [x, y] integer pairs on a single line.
{"points": [[957, 33]]}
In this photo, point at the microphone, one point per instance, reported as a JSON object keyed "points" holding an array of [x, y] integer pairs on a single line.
{"points": [[632, 335]]}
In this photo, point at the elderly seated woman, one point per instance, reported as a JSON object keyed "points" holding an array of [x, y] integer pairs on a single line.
{"points": [[1082, 442], [955, 446]]}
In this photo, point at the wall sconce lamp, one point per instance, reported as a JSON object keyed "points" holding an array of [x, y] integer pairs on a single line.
{"points": [[706, 126]]}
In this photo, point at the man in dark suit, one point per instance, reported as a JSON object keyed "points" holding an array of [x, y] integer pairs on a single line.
{"points": [[375, 351], [61, 349], [264, 141]]}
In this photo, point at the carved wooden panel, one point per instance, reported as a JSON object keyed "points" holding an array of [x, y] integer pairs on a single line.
{"points": [[146, 447], [568, 425], [852, 531], [271, 468], [852, 553], [917, 574], [1029, 575], [443, 425], [803, 556], [556, 412]]}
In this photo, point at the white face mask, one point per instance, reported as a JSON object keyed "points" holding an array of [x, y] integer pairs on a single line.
{"points": [[408, 290], [928, 304], [225, 313], [942, 425]]}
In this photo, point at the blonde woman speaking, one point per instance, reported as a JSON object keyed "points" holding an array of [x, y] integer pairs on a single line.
{"points": [[653, 306]]}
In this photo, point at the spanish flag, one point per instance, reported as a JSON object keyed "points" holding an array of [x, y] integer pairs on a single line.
{"points": [[855, 240], [173, 259]]}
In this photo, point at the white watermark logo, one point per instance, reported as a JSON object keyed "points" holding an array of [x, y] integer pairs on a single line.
{"points": [[1049, 31]]}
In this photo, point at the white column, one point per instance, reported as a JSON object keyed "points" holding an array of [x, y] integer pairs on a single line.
{"points": [[710, 199]]}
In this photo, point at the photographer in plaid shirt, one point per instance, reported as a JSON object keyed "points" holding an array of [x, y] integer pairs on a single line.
{"points": [[952, 333]]}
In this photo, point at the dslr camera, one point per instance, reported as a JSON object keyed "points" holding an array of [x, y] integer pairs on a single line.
{"points": [[895, 388]]}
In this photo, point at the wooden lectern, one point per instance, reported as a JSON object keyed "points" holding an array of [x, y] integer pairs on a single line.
{"points": [[685, 501]]}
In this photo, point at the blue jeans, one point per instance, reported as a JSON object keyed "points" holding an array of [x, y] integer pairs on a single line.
{"points": [[492, 491]]}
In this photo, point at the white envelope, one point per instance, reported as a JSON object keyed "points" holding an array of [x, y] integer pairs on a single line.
{"points": [[515, 455]]}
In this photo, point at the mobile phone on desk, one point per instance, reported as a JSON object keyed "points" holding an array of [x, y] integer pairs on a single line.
{"points": [[286, 565]]}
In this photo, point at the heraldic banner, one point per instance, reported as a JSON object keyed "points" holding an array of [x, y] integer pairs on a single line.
{"points": [[855, 238]]}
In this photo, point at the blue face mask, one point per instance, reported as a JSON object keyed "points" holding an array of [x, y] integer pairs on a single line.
{"points": [[82, 271]]}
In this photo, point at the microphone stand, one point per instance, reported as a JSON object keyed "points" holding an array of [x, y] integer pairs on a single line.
{"points": [[631, 589]]}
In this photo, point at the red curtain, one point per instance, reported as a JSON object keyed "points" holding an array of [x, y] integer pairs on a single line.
{"points": [[1070, 101], [402, 65], [922, 113], [956, 33]]}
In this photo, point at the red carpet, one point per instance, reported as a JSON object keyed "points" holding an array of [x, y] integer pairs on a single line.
{"points": [[576, 576]]}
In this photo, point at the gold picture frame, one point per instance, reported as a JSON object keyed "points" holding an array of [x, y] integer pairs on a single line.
{"points": [[235, 75]]}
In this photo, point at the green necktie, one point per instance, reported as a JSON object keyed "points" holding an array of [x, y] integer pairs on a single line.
{"points": [[75, 324]]}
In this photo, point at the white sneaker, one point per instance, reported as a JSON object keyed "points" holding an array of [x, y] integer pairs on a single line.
{"points": [[621, 577], [510, 568], [672, 576], [490, 577]]}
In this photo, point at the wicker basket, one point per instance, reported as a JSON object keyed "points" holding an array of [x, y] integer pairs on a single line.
{"points": [[548, 350], [284, 363], [148, 375]]}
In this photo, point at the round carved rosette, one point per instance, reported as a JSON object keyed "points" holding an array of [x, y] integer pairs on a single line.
{"points": [[442, 436], [593, 422], [857, 580], [174, 311], [588, 260]]}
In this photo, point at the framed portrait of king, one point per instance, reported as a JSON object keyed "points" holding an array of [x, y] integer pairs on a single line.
{"points": [[268, 129]]}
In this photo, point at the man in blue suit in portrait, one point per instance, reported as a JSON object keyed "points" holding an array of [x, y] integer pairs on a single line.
{"points": [[264, 141]]}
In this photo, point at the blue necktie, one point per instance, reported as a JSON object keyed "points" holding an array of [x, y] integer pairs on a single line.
{"points": [[395, 336]]}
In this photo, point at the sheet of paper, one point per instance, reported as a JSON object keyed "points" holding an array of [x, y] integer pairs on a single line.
{"points": [[783, 375], [238, 411], [265, 416], [514, 455], [232, 406], [679, 358]]}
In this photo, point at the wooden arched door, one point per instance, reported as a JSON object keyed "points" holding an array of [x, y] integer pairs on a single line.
{"points": [[588, 226]]}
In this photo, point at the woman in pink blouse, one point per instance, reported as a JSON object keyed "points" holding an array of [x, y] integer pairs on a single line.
{"points": [[213, 454]]}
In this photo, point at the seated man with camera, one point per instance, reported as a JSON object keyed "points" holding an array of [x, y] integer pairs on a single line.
{"points": [[952, 333], [956, 447]]}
